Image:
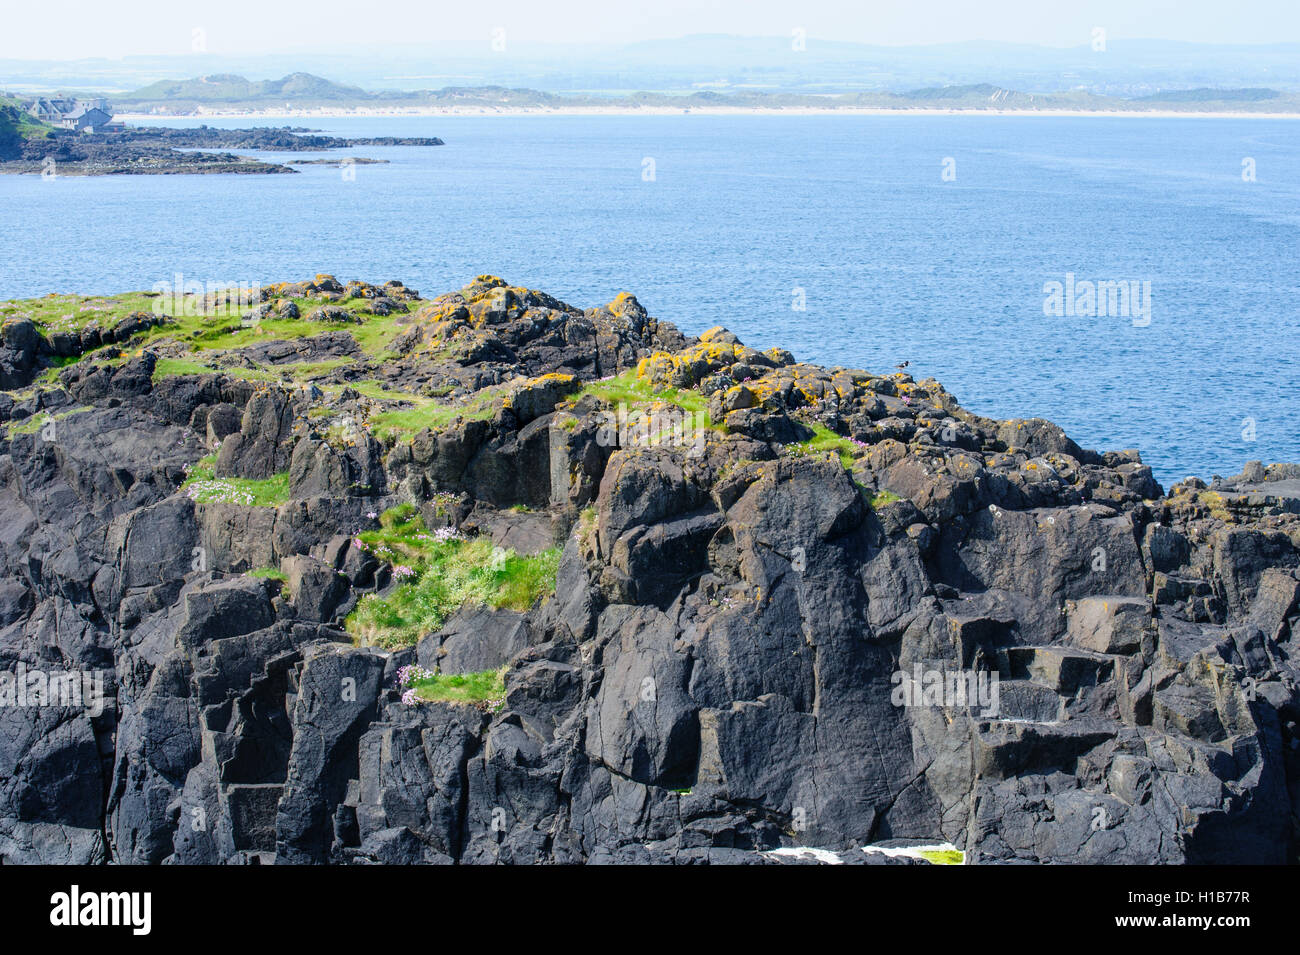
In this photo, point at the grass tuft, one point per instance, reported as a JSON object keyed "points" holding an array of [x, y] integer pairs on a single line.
{"points": [[204, 487], [826, 440], [486, 686], [37, 421], [427, 412], [437, 572], [268, 573], [881, 498]]}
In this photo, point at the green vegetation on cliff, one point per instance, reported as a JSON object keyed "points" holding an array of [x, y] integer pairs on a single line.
{"points": [[204, 487], [38, 421], [268, 573], [17, 125], [428, 413], [195, 332], [485, 686], [826, 440], [438, 571], [712, 593]]}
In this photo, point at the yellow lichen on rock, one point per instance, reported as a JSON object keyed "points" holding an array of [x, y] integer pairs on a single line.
{"points": [[688, 367]]}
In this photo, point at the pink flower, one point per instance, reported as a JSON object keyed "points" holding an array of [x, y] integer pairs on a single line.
{"points": [[411, 673]]}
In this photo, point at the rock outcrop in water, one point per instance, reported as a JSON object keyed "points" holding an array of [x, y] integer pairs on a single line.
{"points": [[835, 610], [152, 150]]}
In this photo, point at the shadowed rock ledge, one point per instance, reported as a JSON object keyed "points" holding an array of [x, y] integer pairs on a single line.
{"points": [[762, 564]]}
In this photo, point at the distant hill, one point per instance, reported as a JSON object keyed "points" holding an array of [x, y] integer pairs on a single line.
{"points": [[1129, 67], [304, 90], [985, 96], [228, 88], [1205, 95]]}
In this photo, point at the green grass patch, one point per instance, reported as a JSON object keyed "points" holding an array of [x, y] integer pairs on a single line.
{"points": [[268, 573], [169, 367], [204, 487], [377, 391], [437, 573], [222, 328], [37, 421], [642, 403], [825, 440], [628, 389], [881, 498], [377, 332], [483, 687], [428, 412], [16, 119], [72, 313], [51, 375]]}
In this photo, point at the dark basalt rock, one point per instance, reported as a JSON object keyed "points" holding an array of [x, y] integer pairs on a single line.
{"points": [[264, 444], [720, 671]]}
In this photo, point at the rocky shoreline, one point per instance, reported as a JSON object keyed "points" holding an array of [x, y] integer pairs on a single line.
{"points": [[693, 602], [166, 151]]}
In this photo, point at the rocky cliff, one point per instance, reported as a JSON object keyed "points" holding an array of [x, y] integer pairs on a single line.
{"points": [[788, 606]]}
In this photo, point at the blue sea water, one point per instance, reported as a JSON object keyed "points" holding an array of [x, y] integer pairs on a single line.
{"points": [[895, 262]]}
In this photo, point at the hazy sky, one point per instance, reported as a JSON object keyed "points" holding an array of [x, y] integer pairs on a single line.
{"points": [[80, 28]]}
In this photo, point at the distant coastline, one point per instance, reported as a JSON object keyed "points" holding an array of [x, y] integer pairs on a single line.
{"points": [[41, 149], [306, 95], [508, 111]]}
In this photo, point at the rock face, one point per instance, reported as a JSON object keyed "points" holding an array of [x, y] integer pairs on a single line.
{"points": [[942, 629]]}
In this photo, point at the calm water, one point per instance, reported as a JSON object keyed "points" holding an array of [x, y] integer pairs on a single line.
{"points": [[896, 263]]}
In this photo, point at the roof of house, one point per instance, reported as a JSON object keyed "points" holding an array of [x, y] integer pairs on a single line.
{"points": [[67, 108]]}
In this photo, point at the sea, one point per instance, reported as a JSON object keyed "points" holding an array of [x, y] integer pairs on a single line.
{"points": [[1134, 279]]}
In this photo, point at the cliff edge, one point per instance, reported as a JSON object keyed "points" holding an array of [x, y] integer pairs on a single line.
{"points": [[342, 574]]}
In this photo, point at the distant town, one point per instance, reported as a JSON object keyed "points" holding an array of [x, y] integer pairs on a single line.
{"points": [[56, 136]]}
